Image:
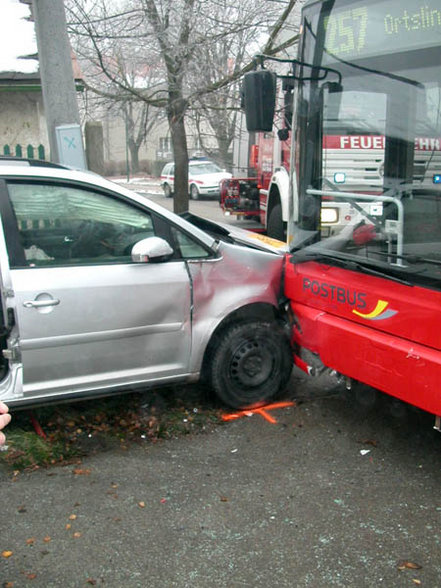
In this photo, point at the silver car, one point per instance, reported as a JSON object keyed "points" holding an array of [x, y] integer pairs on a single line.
{"points": [[104, 291]]}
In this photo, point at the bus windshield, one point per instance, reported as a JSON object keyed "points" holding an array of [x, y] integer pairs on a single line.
{"points": [[368, 135]]}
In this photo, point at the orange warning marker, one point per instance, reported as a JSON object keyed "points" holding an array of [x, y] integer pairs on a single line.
{"points": [[262, 410]]}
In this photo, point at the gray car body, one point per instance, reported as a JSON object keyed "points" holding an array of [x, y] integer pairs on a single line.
{"points": [[124, 326]]}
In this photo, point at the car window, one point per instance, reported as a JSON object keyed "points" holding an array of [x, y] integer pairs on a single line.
{"points": [[188, 248], [204, 168], [61, 225]]}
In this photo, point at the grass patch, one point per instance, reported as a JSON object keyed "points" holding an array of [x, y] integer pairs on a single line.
{"points": [[71, 431]]}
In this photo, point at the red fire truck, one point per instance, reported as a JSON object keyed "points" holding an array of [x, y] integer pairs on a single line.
{"points": [[365, 301], [353, 159]]}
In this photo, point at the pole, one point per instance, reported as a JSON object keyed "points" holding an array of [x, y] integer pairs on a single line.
{"points": [[57, 79]]}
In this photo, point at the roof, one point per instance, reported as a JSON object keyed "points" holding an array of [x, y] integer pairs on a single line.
{"points": [[19, 67], [17, 39]]}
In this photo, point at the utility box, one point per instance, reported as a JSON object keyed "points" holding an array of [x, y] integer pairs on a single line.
{"points": [[70, 146]]}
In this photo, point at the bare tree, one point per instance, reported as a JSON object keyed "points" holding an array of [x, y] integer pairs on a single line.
{"points": [[170, 36]]}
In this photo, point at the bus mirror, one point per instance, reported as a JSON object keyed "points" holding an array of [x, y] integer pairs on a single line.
{"points": [[259, 99]]}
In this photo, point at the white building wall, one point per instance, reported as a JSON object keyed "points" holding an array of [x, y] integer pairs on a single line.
{"points": [[22, 121]]}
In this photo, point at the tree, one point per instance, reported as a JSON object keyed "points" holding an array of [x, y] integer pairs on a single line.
{"points": [[174, 35]]}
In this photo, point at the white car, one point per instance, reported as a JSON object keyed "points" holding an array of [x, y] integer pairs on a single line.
{"points": [[103, 290], [204, 178]]}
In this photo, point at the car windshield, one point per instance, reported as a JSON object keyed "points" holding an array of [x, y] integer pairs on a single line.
{"points": [[199, 169]]}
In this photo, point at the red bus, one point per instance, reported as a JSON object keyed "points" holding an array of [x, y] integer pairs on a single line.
{"points": [[365, 302]]}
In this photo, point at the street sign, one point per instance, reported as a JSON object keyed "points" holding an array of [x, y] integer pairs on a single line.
{"points": [[70, 146]]}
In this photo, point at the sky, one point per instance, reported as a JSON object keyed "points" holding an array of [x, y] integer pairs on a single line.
{"points": [[17, 38]]}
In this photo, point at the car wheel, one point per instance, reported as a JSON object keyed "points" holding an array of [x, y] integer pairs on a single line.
{"points": [[251, 362], [194, 192], [167, 191], [275, 227]]}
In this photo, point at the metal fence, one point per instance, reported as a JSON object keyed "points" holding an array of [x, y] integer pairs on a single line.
{"points": [[30, 151]]}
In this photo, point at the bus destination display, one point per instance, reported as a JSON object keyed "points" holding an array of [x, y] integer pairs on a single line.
{"points": [[377, 28]]}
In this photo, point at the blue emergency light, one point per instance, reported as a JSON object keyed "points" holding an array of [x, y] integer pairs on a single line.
{"points": [[437, 179]]}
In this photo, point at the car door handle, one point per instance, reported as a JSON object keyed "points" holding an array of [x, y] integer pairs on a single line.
{"points": [[40, 303]]}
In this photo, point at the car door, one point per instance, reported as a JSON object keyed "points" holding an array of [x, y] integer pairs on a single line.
{"points": [[88, 317]]}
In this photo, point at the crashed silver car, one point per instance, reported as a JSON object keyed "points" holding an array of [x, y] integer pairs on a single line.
{"points": [[103, 291]]}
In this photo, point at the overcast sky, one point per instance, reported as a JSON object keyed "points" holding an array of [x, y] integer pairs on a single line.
{"points": [[17, 38]]}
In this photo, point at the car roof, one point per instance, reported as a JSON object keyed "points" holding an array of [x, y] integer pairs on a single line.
{"points": [[17, 161], [15, 171]]}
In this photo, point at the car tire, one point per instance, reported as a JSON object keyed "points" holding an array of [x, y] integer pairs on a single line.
{"points": [[275, 226], [251, 362], [167, 191], [194, 192]]}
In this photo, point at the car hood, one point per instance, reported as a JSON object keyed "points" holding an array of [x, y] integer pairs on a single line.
{"points": [[209, 178], [231, 234]]}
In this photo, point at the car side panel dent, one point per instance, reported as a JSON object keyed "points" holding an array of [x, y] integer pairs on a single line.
{"points": [[244, 277]]}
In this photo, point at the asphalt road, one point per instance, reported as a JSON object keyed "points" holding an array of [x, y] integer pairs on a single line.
{"points": [[328, 495], [331, 494], [205, 207]]}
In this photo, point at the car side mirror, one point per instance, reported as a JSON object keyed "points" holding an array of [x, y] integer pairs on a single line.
{"points": [[150, 250]]}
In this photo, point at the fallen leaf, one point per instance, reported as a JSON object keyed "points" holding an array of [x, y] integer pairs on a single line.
{"points": [[141, 504], [8, 585], [82, 472], [223, 499], [370, 442], [6, 554], [408, 565], [416, 581], [68, 526], [77, 535], [30, 575], [72, 517], [30, 541], [21, 509], [91, 581], [47, 539]]}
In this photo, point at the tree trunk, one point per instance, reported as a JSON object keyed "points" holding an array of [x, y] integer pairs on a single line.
{"points": [[176, 112], [134, 156]]}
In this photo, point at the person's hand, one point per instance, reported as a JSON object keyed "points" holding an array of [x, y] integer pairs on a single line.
{"points": [[5, 417]]}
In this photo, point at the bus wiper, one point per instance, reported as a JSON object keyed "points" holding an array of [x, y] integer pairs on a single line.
{"points": [[350, 264], [410, 258]]}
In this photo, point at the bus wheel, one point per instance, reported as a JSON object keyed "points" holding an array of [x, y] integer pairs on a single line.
{"points": [[275, 228], [251, 362]]}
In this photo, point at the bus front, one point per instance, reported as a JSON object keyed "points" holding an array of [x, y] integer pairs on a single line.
{"points": [[366, 301]]}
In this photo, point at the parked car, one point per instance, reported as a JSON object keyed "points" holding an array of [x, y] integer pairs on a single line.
{"points": [[103, 290], [204, 178]]}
